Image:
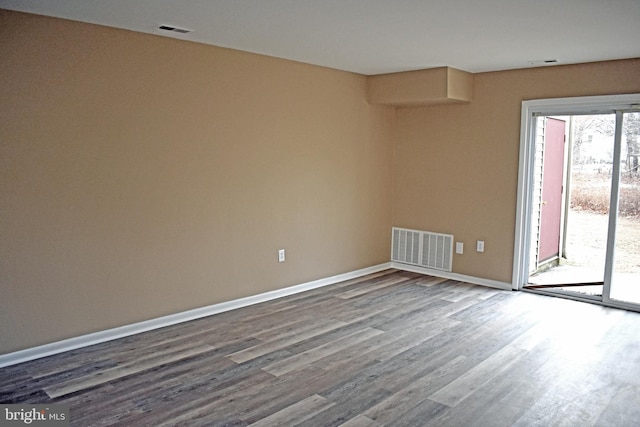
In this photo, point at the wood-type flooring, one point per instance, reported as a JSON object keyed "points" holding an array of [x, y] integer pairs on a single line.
{"points": [[389, 349]]}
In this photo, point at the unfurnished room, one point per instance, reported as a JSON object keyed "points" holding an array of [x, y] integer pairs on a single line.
{"points": [[320, 213]]}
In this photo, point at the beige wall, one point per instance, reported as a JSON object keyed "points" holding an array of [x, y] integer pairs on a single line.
{"points": [[142, 176], [456, 165]]}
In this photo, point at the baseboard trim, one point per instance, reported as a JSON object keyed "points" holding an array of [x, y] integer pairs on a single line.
{"points": [[453, 276], [172, 319]]}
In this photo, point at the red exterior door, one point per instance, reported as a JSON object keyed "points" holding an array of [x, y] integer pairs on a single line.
{"points": [[552, 182]]}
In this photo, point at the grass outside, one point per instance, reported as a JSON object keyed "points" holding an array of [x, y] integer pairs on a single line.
{"points": [[588, 221], [587, 241]]}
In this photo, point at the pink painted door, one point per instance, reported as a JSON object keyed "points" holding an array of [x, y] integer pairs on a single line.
{"points": [[552, 183]]}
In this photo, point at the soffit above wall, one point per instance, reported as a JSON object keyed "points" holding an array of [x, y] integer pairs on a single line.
{"points": [[424, 87]]}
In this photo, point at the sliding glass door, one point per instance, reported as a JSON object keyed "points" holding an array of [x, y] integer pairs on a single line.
{"points": [[622, 278], [570, 207], [621, 284]]}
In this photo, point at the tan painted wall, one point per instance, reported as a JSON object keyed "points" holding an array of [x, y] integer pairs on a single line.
{"points": [[456, 165], [141, 176]]}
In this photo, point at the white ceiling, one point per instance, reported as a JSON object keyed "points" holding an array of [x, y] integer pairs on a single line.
{"points": [[382, 36]]}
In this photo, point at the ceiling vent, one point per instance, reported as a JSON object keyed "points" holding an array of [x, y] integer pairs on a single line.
{"points": [[173, 29], [538, 62]]}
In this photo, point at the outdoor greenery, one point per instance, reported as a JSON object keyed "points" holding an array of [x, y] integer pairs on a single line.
{"points": [[590, 192]]}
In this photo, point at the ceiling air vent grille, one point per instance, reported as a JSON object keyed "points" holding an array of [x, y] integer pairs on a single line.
{"points": [[173, 29]]}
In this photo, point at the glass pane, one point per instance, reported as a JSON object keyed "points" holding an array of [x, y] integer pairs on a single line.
{"points": [[590, 191], [625, 284]]}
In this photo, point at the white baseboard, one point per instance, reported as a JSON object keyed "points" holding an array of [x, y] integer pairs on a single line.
{"points": [[172, 319], [453, 276]]}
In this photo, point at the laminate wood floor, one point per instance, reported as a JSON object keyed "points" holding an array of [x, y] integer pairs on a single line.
{"points": [[392, 348]]}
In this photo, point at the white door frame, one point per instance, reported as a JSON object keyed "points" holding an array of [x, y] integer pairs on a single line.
{"points": [[530, 110]]}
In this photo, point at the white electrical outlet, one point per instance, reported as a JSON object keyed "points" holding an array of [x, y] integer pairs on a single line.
{"points": [[480, 246], [459, 247], [281, 255]]}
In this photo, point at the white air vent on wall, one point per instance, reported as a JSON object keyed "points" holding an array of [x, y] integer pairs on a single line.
{"points": [[422, 248]]}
